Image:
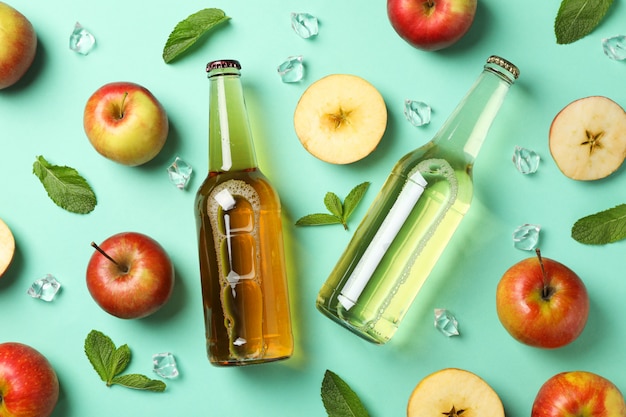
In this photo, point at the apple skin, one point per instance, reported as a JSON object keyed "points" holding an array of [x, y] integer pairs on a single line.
{"points": [[18, 44], [125, 123], [141, 281], [431, 25], [542, 321], [29, 387], [578, 393]]}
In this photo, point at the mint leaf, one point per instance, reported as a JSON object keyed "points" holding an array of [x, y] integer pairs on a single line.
{"points": [[109, 362], [577, 18], [139, 382], [339, 399], [340, 212], [65, 186], [188, 31], [607, 226]]}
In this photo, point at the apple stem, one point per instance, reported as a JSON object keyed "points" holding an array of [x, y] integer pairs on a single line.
{"points": [[121, 109], [547, 291], [106, 255]]}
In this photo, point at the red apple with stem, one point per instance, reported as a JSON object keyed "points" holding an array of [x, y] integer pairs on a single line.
{"points": [[29, 387], [431, 24], [542, 303], [578, 393], [125, 123], [18, 44], [130, 275]]}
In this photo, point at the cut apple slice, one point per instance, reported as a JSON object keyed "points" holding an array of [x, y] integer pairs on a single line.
{"points": [[588, 138], [454, 392], [7, 247], [340, 118]]}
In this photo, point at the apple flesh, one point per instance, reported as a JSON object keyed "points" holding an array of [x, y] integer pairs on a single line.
{"points": [[125, 123], [29, 387], [542, 303], [18, 45], [454, 392], [340, 118], [578, 393], [7, 247], [130, 275], [431, 25]]}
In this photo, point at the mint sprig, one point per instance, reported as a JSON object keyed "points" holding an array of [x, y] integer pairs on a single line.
{"points": [[110, 361], [188, 31], [604, 227], [339, 212], [339, 399], [577, 18], [65, 186]]}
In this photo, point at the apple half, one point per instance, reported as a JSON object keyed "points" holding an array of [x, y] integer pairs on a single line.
{"points": [[7, 247], [340, 118], [454, 392], [588, 138]]}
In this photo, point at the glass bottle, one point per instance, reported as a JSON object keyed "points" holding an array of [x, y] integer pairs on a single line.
{"points": [[413, 217], [240, 241]]}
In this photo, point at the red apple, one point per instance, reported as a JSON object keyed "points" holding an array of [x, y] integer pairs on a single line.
{"points": [[578, 393], [130, 275], [431, 24], [28, 384], [18, 44], [125, 123], [542, 303]]}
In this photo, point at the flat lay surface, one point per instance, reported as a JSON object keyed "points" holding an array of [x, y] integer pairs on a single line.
{"points": [[42, 115]]}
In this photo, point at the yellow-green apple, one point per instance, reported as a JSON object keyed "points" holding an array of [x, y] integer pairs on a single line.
{"points": [[542, 302], [130, 275], [7, 247], [29, 387], [454, 392], [18, 44], [431, 24], [125, 123], [340, 118], [578, 393]]}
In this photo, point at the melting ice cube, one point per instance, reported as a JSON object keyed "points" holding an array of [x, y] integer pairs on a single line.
{"points": [[615, 47], [525, 160], [417, 112], [81, 40], [292, 69], [164, 365], [179, 172], [526, 236], [44, 288], [446, 323], [304, 24]]}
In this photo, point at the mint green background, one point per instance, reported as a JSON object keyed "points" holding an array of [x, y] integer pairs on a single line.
{"points": [[43, 116]]}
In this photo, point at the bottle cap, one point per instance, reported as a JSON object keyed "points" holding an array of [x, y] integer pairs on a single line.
{"points": [[223, 63], [507, 65]]}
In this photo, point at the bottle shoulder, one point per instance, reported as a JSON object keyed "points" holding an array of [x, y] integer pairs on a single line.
{"points": [[249, 182]]}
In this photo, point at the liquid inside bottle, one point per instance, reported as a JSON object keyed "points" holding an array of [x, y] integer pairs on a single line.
{"points": [[413, 218]]}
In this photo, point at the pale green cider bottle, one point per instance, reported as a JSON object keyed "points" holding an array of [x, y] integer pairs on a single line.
{"points": [[413, 217]]}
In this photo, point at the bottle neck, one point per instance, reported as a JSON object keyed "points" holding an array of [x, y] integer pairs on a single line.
{"points": [[230, 139], [468, 125]]}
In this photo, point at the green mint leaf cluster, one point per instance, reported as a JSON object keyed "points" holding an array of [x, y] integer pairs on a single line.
{"points": [[188, 31], [607, 226], [339, 399], [339, 212], [110, 361], [577, 18], [65, 186]]}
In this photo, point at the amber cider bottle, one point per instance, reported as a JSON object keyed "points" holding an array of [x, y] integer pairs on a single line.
{"points": [[240, 239]]}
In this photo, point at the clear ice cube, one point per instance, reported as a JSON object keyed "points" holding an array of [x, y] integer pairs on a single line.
{"points": [[526, 236], [304, 24], [45, 288], [526, 161], [417, 112], [615, 47], [164, 365], [81, 40], [292, 69], [179, 172], [446, 323]]}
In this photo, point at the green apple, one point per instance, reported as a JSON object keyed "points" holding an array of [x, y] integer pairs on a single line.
{"points": [[125, 123], [18, 44]]}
